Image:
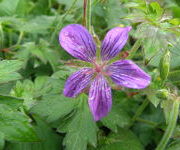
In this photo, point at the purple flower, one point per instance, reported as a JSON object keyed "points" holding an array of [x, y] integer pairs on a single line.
{"points": [[77, 41]]}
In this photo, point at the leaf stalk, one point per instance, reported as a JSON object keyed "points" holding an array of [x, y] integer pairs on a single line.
{"points": [[171, 125]]}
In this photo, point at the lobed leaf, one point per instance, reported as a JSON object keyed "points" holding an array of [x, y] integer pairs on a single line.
{"points": [[81, 129], [16, 126]]}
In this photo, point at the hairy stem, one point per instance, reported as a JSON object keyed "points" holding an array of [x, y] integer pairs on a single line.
{"points": [[139, 111], [84, 12], [134, 49], [171, 126], [49, 4], [20, 38], [60, 22], [1, 37], [147, 122], [87, 14]]}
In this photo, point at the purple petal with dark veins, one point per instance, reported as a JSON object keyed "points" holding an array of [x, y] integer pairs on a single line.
{"points": [[77, 82], [100, 98], [78, 42], [126, 73], [113, 42]]}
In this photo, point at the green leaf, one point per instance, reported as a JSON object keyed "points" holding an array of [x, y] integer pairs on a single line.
{"points": [[175, 56], [50, 54], [153, 99], [5, 88], [176, 11], [123, 140], [156, 9], [167, 107], [39, 24], [15, 125], [117, 117], [177, 131], [81, 128], [30, 91], [139, 4], [40, 51], [114, 11], [2, 141], [24, 90], [175, 21], [42, 6], [7, 66], [7, 70], [69, 3], [64, 72], [42, 85], [30, 50], [49, 140], [155, 93], [50, 85], [11, 76], [174, 146], [54, 107], [11, 7], [13, 102], [164, 65], [147, 132]]}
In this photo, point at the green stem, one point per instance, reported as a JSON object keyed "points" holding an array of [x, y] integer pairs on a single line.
{"points": [[10, 37], [1, 37], [140, 110], [171, 126], [84, 13], [134, 48], [60, 23], [49, 4], [87, 15], [151, 123], [95, 2], [147, 122], [20, 38], [176, 72]]}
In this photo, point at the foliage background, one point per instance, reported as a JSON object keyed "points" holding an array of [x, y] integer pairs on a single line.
{"points": [[34, 115]]}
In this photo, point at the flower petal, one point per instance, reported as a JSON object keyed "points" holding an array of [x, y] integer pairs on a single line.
{"points": [[100, 99], [113, 42], [128, 74], [77, 41], [77, 82]]}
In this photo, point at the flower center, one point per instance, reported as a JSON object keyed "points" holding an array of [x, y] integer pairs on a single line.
{"points": [[100, 67]]}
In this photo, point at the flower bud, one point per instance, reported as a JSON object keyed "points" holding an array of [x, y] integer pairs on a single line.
{"points": [[164, 65], [163, 94]]}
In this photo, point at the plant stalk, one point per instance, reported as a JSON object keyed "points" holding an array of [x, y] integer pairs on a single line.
{"points": [[1, 37], [139, 111], [87, 15], [84, 13], [60, 22], [20, 37], [171, 126], [134, 49], [151, 123]]}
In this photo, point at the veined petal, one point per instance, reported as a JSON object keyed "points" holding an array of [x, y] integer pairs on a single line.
{"points": [[128, 74], [100, 98], [77, 82], [113, 42], [78, 42]]}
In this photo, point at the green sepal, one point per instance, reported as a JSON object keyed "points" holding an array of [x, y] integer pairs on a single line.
{"points": [[164, 65]]}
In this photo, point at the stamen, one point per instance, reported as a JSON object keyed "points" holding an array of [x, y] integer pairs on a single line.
{"points": [[100, 68]]}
